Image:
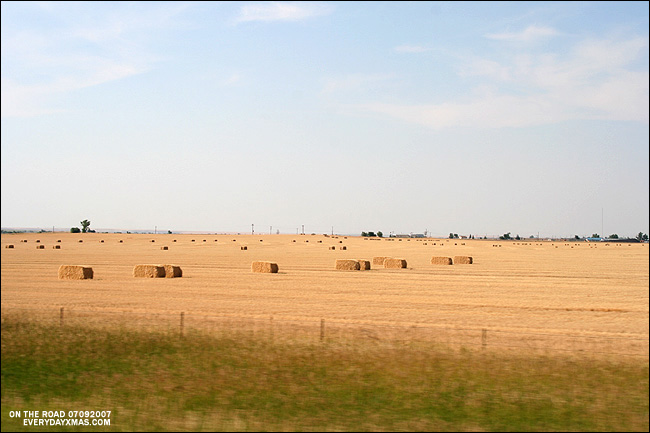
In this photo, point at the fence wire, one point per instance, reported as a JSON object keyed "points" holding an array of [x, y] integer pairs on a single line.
{"points": [[276, 327]]}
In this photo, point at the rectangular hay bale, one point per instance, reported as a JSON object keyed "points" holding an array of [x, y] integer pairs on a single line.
{"points": [[265, 267], [379, 260], [347, 265], [173, 271], [441, 260], [148, 271], [75, 272], [364, 265], [463, 260], [394, 263]]}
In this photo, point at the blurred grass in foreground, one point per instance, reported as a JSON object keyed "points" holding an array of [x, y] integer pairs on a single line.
{"points": [[157, 381]]}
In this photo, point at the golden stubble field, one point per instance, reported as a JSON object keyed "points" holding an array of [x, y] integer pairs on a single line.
{"points": [[568, 295]]}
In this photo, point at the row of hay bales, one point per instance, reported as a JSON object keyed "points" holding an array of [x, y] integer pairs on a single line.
{"points": [[79, 272], [364, 265], [157, 271], [38, 247], [352, 265], [458, 260]]}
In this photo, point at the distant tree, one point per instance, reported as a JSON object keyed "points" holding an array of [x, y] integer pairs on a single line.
{"points": [[456, 235], [595, 235], [517, 238], [364, 234], [380, 234], [614, 236], [75, 230], [169, 232], [641, 237], [371, 234], [451, 235], [577, 237], [84, 226], [506, 236], [531, 237]]}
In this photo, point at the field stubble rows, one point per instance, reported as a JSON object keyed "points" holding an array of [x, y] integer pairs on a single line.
{"points": [[518, 290]]}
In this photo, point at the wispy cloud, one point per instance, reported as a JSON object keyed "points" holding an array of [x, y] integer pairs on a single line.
{"points": [[595, 80], [282, 11], [93, 46], [531, 33], [411, 49]]}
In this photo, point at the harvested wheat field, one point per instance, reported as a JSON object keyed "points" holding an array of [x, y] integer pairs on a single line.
{"points": [[548, 295]]}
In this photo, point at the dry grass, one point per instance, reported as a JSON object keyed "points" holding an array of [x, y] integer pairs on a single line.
{"points": [[600, 293]]}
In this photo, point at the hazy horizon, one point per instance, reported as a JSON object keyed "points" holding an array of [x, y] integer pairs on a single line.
{"points": [[471, 118]]}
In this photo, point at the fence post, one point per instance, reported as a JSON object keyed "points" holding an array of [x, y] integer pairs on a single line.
{"points": [[182, 322], [61, 317], [322, 329], [484, 339]]}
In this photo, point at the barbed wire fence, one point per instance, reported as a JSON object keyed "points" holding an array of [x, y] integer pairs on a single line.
{"points": [[328, 330]]}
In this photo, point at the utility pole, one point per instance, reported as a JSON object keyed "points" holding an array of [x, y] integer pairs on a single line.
{"points": [[332, 230], [270, 230], [155, 229], [303, 229], [252, 229]]}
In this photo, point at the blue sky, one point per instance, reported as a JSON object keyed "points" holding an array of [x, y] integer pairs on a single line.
{"points": [[473, 118]]}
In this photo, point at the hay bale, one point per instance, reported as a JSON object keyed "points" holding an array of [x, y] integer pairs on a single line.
{"points": [[40, 247], [394, 263], [463, 260], [344, 247], [148, 271], [244, 248], [80, 240], [121, 241], [75, 272], [153, 240], [102, 241], [332, 248], [9, 246], [38, 240], [441, 260], [57, 247], [364, 265], [173, 271], [58, 240], [265, 267], [164, 248], [347, 265], [379, 260]]}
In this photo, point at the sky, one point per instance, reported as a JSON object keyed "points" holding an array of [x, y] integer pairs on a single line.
{"points": [[473, 118]]}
